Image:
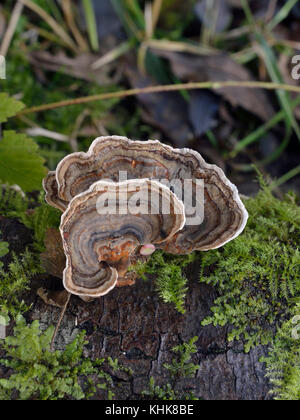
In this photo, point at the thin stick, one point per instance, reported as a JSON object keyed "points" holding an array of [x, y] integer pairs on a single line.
{"points": [[39, 131], [59, 322], [163, 88], [17, 11]]}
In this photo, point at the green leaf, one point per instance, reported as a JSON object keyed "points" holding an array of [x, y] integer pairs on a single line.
{"points": [[20, 162], [9, 107]]}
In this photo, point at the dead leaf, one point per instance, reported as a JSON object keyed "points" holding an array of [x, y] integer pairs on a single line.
{"points": [[53, 298], [53, 259], [167, 111], [220, 68], [203, 108], [78, 67]]}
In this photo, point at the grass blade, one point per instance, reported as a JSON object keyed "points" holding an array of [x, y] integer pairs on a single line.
{"points": [[257, 134], [282, 14], [284, 97], [274, 156], [282, 180], [91, 23], [128, 23], [271, 63]]}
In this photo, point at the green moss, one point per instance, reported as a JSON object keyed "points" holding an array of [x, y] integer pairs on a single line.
{"points": [[171, 283], [180, 368], [258, 274], [40, 374], [39, 219], [14, 281], [283, 362], [4, 250], [12, 203]]}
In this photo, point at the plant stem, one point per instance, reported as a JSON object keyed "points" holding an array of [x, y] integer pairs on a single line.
{"points": [[59, 322], [15, 16], [162, 88], [257, 134], [289, 175]]}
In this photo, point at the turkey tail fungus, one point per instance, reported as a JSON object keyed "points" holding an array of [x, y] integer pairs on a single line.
{"points": [[101, 243]]}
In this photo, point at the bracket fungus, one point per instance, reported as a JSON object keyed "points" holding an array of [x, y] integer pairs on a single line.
{"points": [[99, 241], [99, 247]]}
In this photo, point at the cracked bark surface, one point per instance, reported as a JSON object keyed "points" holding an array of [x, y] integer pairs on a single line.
{"points": [[133, 325]]}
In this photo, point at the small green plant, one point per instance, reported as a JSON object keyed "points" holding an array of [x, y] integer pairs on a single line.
{"points": [[40, 218], [12, 203], [15, 281], [39, 374], [115, 365], [283, 361], [180, 368], [258, 274], [171, 284], [4, 250]]}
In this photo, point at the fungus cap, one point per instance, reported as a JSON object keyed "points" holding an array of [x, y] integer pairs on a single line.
{"points": [[224, 215], [100, 240]]}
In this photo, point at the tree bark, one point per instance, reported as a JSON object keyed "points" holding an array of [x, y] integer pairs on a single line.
{"points": [[133, 325]]}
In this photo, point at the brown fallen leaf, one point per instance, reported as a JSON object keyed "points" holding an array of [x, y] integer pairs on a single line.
{"points": [[53, 259], [216, 68], [53, 297], [167, 111], [78, 67]]}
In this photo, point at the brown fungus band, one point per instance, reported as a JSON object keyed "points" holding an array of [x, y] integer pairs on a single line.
{"points": [[104, 228]]}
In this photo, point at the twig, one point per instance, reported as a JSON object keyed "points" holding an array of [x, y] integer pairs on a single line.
{"points": [[38, 131], [59, 322], [78, 123], [17, 11], [159, 89]]}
